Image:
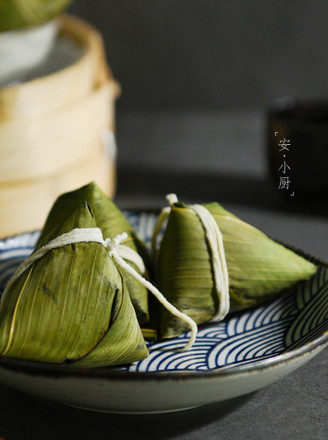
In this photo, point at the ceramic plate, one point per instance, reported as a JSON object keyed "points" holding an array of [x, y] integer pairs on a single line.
{"points": [[245, 352]]}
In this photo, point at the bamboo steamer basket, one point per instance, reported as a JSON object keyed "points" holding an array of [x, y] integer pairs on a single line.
{"points": [[56, 140], [26, 199], [52, 132], [45, 94]]}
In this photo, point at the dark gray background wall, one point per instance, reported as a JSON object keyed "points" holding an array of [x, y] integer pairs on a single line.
{"points": [[211, 54]]}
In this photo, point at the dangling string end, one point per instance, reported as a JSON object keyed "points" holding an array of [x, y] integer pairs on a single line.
{"points": [[120, 238], [172, 198]]}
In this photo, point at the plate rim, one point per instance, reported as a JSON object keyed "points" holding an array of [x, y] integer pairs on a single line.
{"points": [[66, 371]]}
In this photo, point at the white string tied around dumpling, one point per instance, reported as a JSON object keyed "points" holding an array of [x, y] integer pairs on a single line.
{"points": [[215, 243], [119, 253], [114, 252], [219, 263]]}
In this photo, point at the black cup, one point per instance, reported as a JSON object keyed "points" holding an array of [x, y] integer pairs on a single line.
{"points": [[297, 139]]}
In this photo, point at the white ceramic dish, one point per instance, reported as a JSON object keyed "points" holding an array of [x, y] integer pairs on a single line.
{"points": [[244, 353], [24, 50]]}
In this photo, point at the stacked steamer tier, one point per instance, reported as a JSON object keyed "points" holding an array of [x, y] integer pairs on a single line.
{"points": [[56, 131]]}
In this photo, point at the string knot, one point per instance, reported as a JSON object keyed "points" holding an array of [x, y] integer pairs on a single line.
{"points": [[114, 246]]}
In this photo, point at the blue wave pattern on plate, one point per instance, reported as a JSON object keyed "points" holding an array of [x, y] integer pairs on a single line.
{"points": [[243, 338], [249, 336], [13, 250]]}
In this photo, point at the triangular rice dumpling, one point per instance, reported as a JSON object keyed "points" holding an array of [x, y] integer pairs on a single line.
{"points": [[71, 305], [112, 222], [259, 268]]}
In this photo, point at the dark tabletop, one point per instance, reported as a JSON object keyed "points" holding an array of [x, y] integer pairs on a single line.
{"points": [[201, 157]]}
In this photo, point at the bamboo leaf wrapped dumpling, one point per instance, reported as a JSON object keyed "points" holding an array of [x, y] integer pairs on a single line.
{"points": [[23, 13], [71, 305], [258, 268], [112, 222]]}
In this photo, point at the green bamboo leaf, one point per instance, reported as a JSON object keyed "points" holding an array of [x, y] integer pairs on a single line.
{"points": [[259, 268], [16, 14], [72, 305], [112, 222]]}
